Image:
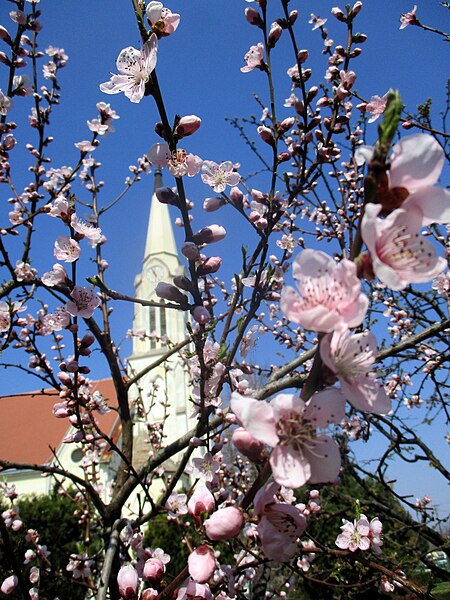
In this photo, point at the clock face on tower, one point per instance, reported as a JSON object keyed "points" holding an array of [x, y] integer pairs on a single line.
{"points": [[156, 273]]}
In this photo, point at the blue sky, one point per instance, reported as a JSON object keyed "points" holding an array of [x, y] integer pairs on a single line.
{"points": [[198, 69]]}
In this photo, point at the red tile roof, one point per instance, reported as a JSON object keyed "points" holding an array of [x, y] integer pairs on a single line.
{"points": [[28, 428]]}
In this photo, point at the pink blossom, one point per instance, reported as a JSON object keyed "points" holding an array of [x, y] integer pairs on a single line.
{"points": [[192, 590], [87, 230], [224, 524], [408, 18], [375, 107], [201, 564], [350, 357], [399, 254], [84, 302], [85, 146], [354, 536], [330, 293], [5, 317], [60, 208], [254, 58], [9, 585], [24, 271], [56, 276], [288, 425], [181, 164], [162, 20], [128, 582], [416, 164], [317, 22], [360, 535], [219, 176], [205, 467], [280, 524], [134, 67], [66, 249]]}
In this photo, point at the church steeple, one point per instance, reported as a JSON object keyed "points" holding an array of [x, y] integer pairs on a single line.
{"points": [[160, 236], [162, 395]]}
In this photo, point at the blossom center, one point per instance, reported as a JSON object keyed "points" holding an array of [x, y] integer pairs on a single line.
{"points": [[401, 249], [293, 431]]}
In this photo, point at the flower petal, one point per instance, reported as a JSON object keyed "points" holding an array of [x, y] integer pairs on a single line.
{"points": [[324, 457], [256, 416], [416, 162], [289, 467]]}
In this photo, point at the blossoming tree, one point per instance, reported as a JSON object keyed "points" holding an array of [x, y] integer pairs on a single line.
{"points": [[339, 236]]}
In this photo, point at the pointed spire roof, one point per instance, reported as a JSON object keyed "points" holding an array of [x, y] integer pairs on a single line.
{"points": [[160, 236]]}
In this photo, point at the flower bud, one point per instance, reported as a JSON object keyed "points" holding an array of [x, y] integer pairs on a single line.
{"points": [[159, 154], [187, 126], [286, 124], [337, 12], [169, 292], [201, 564], [190, 250], [166, 196], [237, 197], [248, 445], [266, 135], [225, 523], [293, 16], [153, 571], [209, 235], [183, 283], [212, 204], [128, 583], [355, 10], [9, 585], [201, 502], [274, 34], [201, 315], [210, 265], [253, 17]]}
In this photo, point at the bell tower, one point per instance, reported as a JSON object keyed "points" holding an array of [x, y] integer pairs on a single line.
{"points": [[161, 396]]}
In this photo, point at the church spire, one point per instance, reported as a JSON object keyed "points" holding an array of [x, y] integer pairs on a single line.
{"points": [[160, 237]]}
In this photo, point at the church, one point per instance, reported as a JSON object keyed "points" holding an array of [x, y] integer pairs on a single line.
{"points": [[159, 398]]}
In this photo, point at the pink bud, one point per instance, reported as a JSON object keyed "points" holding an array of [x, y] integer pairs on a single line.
{"points": [[286, 124], [201, 501], [337, 12], [209, 235], [224, 524], [274, 34], [128, 582], [408, 125], [248, 445], [266, 135], [237, 197], [253, 17], [201, 315], [210, 265], [153, 570], [159, 154], [169, 292], [183, 283], [4, 35], [190, 250], [201, 564], [9, 585], [166, 196], [293, 16], [355, 10], [212, 204], [187, 126], [18, 16]]}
